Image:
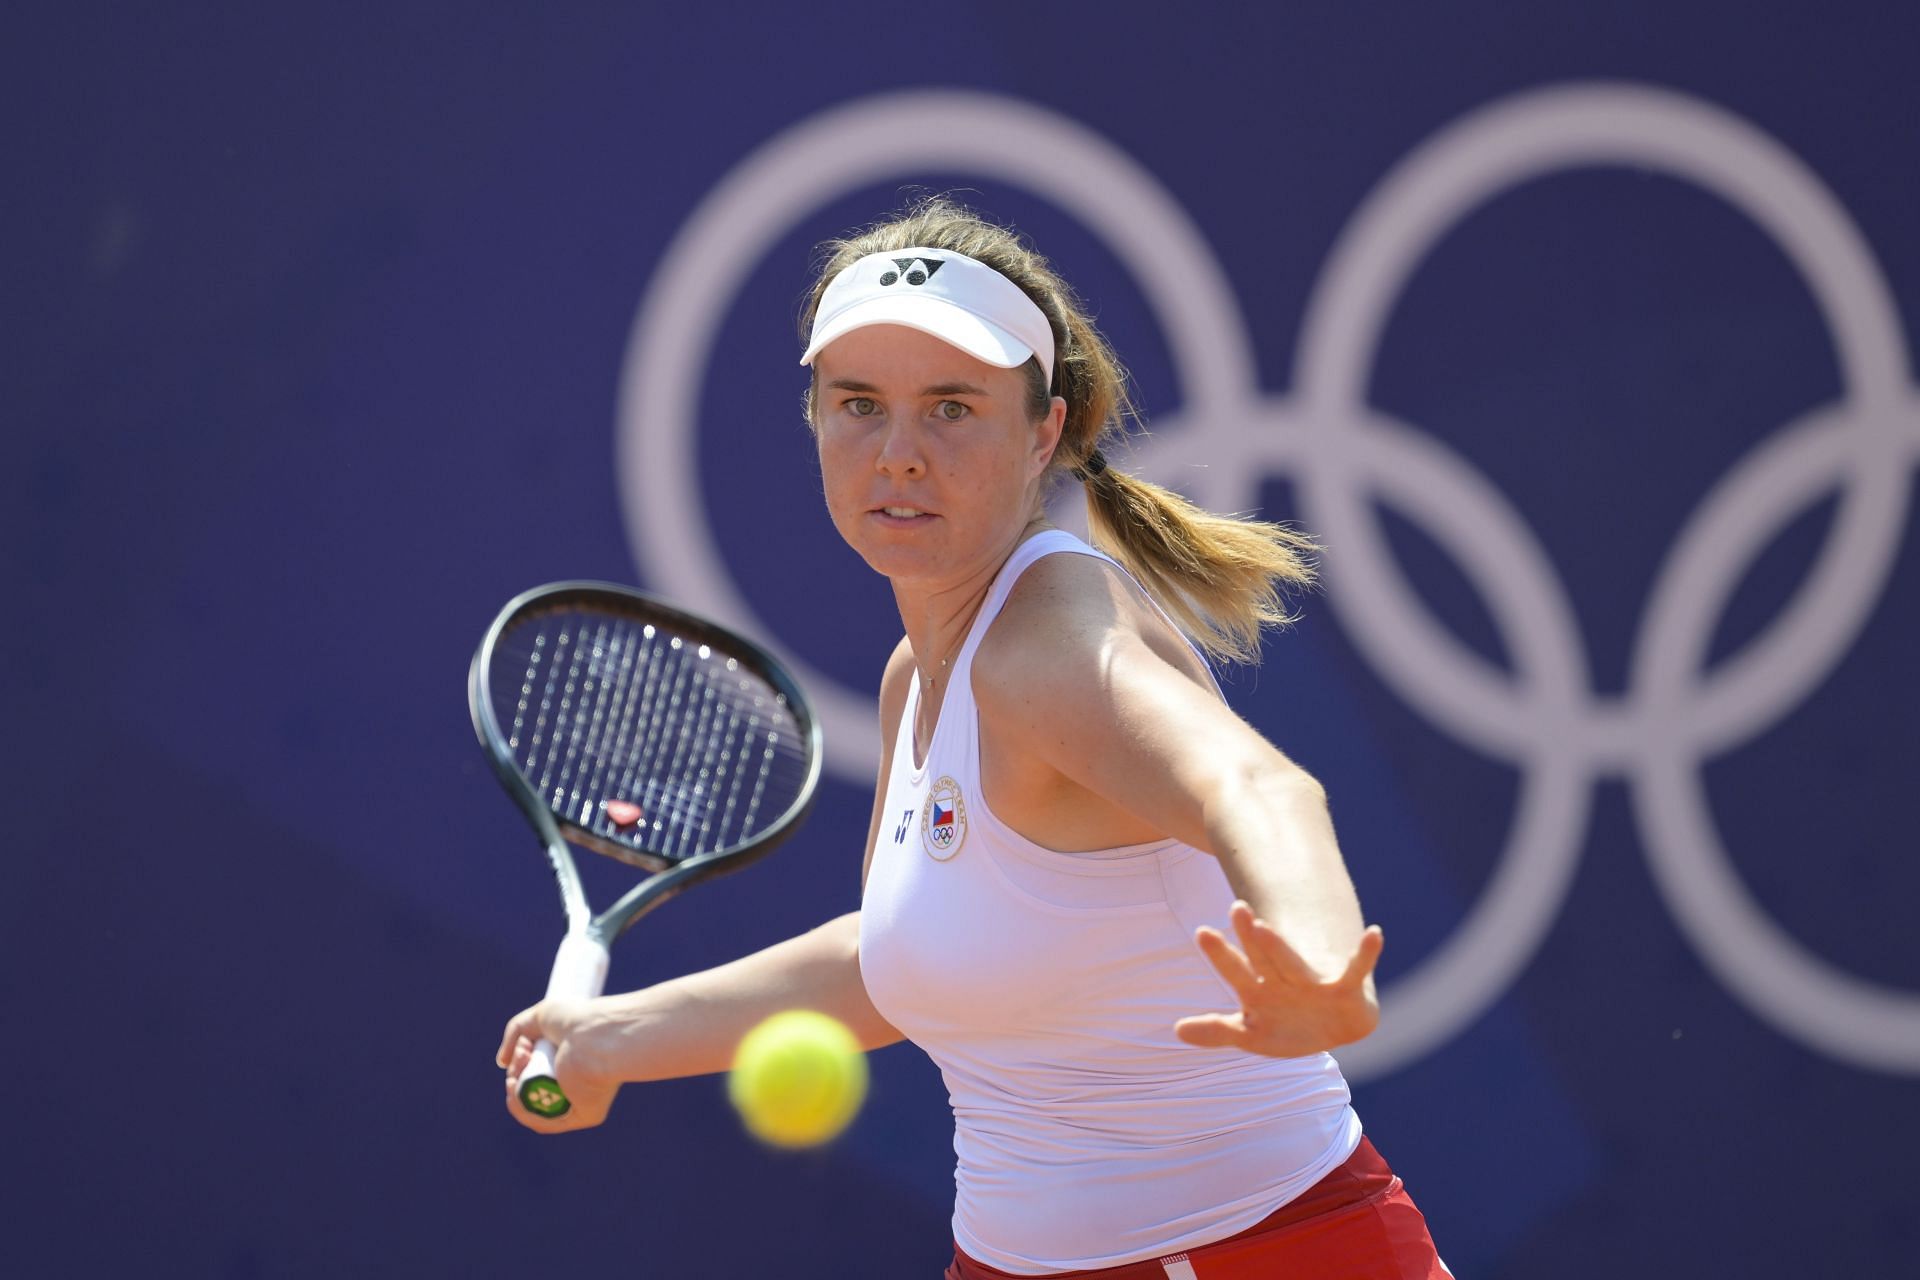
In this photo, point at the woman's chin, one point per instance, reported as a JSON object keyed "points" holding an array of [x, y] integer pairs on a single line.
{"points": [[897, 563]]}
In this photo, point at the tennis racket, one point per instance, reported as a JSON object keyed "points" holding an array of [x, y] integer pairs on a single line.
{"points": [[629, 727]]}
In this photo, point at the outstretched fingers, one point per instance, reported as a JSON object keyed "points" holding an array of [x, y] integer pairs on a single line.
{"points": [[1212, 1030], [1365, 956], [1230, 962], [1287, 1007], [1272, 955]]}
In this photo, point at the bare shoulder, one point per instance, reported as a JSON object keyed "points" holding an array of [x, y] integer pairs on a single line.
{"points": [[1063, 624]]}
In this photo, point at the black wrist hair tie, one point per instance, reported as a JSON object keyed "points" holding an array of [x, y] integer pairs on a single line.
{"points": [[1095, 465]]}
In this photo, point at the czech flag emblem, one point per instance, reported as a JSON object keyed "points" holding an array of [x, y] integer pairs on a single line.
{"points": [[945, 823]]}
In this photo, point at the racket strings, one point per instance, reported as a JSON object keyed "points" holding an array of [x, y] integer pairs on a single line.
{"points": [[628, 708], [612, 709]]}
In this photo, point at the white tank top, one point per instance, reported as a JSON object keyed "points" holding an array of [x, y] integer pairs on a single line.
{"points": [[1045, 985]]}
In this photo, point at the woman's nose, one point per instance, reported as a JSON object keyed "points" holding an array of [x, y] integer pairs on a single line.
{"points": [[900, 452]]}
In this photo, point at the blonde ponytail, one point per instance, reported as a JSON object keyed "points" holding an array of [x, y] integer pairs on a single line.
{"points": [[1222, 578]]}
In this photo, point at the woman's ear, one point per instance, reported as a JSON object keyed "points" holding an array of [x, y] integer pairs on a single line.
{"points": [[1046, 434]]}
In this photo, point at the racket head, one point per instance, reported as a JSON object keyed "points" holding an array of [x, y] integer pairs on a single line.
{"points": [[594, 699]]}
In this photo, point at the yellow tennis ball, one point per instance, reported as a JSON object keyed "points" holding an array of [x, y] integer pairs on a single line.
{"points": [[798, 1078]]}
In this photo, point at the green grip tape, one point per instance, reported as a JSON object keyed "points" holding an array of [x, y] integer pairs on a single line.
{"points": [[543, 1096]]}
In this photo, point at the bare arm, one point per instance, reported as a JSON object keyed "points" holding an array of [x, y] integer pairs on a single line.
{"points": [[1089, 683], [690, 1025]]}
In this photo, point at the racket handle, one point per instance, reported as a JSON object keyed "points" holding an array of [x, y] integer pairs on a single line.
{"points": [[579, 973]]}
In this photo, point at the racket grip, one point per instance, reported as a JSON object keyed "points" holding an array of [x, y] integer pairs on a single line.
{"points": [[579, 973]]}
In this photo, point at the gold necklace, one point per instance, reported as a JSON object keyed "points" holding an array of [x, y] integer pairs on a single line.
{"points": [[965, 631]]}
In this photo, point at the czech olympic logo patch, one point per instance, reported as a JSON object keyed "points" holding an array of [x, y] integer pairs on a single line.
{"points": [[943, 820]]}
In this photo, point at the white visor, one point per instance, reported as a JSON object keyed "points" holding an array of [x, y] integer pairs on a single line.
{"points": [[953, 297]]}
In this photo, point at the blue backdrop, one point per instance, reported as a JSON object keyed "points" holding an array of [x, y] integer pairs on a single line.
{"points": [[1582, 338]]}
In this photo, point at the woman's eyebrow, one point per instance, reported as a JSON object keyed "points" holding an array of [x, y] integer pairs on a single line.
{"points": [[938, 389]]}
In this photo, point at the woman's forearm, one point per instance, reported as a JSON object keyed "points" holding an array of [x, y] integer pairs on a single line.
{"points": [[1274, 837], [690, 1025]]}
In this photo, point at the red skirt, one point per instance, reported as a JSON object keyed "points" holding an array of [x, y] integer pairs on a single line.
{"points": [[1357, 1223]]}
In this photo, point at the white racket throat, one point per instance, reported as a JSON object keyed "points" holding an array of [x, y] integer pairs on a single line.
{"points": [[579, 969]]}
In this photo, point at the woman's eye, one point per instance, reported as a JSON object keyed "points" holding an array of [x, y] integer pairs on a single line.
{"points": [[862, 406], [951, 410]]}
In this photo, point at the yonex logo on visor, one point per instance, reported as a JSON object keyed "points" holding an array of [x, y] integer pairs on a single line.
{"points": [[959, 300], [912, 270]]}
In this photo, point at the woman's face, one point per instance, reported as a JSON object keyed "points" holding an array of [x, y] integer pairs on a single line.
{"points": [[931, 465]]}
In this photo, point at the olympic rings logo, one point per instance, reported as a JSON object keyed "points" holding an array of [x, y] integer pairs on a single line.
{"points": [[1544, 716]]}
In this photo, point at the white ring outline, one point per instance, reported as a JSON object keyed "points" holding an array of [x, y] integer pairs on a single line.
{"points": [[1334, 443]]}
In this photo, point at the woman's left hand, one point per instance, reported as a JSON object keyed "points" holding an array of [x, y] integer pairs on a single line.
{"points": [[1286, 1009]]}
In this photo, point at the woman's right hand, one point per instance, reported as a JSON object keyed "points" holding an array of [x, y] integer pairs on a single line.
{"points": [[567, 1024]]}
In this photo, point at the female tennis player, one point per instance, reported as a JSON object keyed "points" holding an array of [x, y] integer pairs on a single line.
{"points": [[1114, 915]]}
